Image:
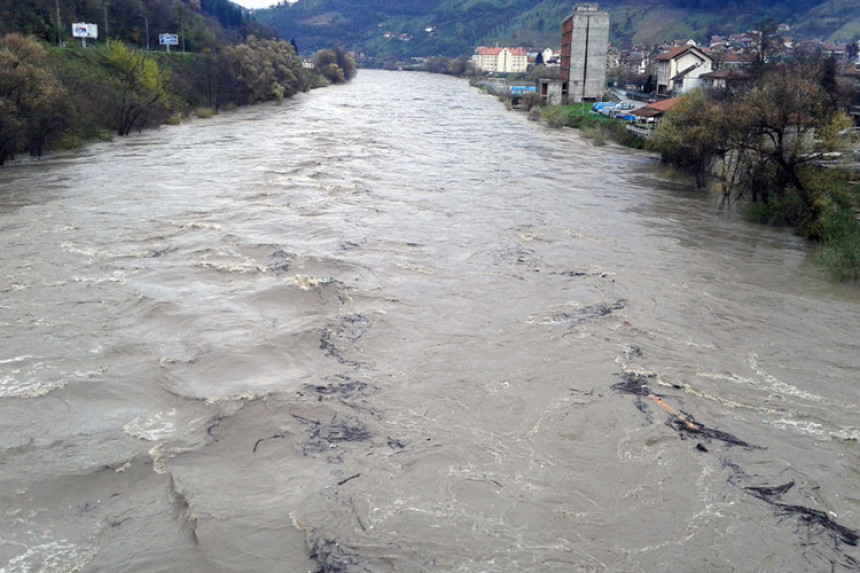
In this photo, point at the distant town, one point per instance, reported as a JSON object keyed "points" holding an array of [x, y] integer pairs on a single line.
{"points": [[586, 63], [633, 67]]}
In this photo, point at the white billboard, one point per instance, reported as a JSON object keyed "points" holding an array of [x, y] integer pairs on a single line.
{"points": [[168, 39], [82, 30]]}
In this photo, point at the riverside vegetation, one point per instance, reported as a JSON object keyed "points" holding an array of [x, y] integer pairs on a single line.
{"points": [[777, 147], [55, 98]]}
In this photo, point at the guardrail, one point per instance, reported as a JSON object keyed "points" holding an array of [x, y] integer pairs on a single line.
{"points": [[640, 130]]}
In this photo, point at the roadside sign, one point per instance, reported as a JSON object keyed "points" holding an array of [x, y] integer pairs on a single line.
{"points": [[83, 31], [168, 40]]}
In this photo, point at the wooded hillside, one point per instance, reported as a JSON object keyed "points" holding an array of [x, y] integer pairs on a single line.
{"points": [[200, 23], [399, 29], [56, 93]]}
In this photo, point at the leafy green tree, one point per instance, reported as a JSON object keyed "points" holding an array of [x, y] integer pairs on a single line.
{"points": [[694, 134], [462, 66], [337, 65], [345, 62], [265, 70], [326, 64], [840, 253], [852, 50], [138, 85], [32, 101], [437, 65], [828, 83], [766, 40], [650, 84]]}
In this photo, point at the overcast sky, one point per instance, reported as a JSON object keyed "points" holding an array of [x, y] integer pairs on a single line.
{"points": [[255, 3]]}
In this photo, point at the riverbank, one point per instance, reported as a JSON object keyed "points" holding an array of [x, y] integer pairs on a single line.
{"points": [[54, 98], [596, 128]]}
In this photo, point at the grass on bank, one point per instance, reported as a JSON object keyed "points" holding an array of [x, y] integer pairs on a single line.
{"points": [[597, 128]]}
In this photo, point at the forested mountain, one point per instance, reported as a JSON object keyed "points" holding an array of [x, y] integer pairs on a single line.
{"points": [[200, 23], [402, 28]]}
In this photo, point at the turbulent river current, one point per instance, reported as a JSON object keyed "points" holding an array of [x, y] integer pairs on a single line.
{"points": [[391, 326]]}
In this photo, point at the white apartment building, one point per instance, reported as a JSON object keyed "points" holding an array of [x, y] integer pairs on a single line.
{"points": [[500, 60]]}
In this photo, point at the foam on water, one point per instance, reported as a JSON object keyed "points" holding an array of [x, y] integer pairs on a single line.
{"points": [[29, 377]]}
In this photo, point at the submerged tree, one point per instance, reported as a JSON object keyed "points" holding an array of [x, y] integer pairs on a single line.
{"points": [[337, 66], [766, 144], [791, 126]]}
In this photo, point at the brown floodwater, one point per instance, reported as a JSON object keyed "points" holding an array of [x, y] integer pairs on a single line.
{"points": [[390, 326]]}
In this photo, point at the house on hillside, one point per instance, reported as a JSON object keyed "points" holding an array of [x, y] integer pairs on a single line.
{"points": [[849, 80], [500, 60], [542, 57], [678, 70], [648, 117], [731, 73], [733, 60], [728, 79]]}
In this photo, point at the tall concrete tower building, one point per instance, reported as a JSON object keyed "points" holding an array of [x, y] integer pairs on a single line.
{"points": [[584, 43]]}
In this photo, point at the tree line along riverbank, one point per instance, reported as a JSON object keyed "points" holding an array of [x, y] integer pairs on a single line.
{"points": [[62, 97]]}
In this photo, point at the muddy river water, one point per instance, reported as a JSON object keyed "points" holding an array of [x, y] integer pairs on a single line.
{"points": [[391, 326]]}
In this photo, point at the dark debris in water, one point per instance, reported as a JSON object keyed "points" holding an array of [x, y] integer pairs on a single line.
{"points": [[396, 443], [770, 493], [352, 328], [261, 440], [334, 557], [582, 274], [350, 478], [686, 424], [638, 385], [634, 383], [808, 515], [155, 253], [355, 326], [589, 312], [325, 437], [632, 353], [342, 386], [281, 263], [519, 255]]}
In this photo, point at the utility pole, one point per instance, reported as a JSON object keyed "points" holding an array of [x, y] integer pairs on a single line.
{"points": [[182, 30], [59, 25], [107, 30]]}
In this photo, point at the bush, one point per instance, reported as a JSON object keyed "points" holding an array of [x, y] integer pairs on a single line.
{"points": [[596, 133], [555, 116], [597, 128], [840, 253], [777, 211], [68, 141]]}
